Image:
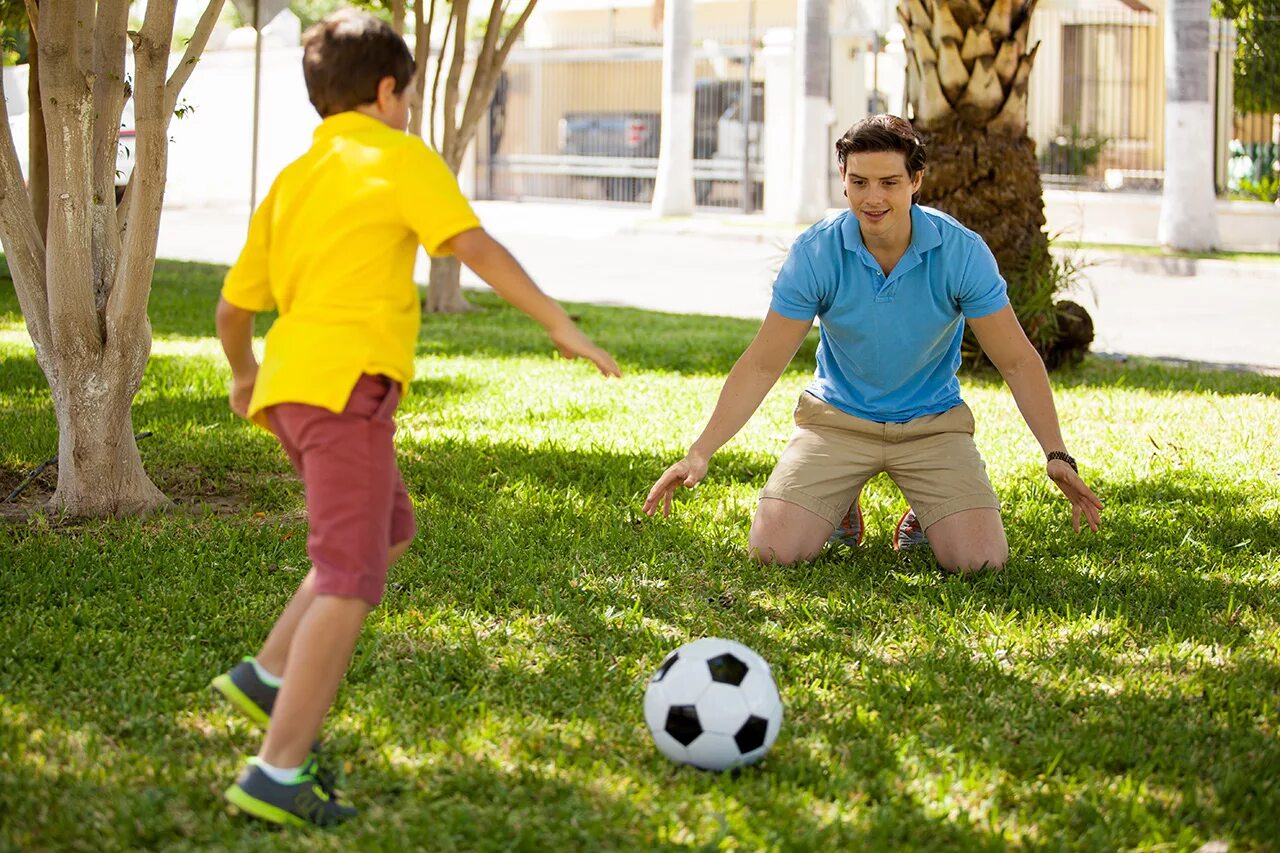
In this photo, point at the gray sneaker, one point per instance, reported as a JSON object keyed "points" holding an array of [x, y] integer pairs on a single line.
{"points": [[249, 694], [308, 799], [909, 534]]}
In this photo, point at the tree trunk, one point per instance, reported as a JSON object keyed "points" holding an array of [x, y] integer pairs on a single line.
{"points": [[812, 153], [444, 289], [1188, 207], [673, 193], [100, 471], [990, 181]]}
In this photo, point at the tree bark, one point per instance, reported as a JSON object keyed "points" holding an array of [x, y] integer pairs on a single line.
{"points": [[989, 180], [100, 471]]}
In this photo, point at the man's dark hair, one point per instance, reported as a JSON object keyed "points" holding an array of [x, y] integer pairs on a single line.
{"points": [[883, 133], [346, 55]]}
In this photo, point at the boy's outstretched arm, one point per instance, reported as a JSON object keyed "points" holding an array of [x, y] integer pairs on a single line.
{"points": [[490, 260], [235, 331]]}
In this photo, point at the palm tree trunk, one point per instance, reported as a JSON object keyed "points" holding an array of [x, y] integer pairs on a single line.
{"points": [[1188, 211], [673, 193], [812, 153]]}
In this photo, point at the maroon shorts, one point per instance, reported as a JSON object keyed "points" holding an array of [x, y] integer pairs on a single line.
{"points": [[357, 504]]}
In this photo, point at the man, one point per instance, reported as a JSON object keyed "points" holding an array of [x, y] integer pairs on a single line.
{"points": [[892, 285]]}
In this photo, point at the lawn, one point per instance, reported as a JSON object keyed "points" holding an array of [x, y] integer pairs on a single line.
{"points": [[1117, 690]]}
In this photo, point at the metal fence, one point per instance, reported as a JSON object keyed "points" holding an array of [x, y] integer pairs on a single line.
{"points": [[581, 117], [584, 122]]}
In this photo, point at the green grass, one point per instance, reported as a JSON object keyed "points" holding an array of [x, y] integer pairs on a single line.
{"points": [[1109, 691]]}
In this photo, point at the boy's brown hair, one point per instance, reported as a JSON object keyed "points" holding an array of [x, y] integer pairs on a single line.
{"points": [[884, 132], [345, 56]]}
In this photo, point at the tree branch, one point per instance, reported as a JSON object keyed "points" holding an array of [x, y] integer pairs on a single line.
{"points": [[23, 246], [126, 309], [68, 104], [435, 82], [37, 141], [452, 156], [108, 103], [195, 49], [421, 56], [86, 14], [485, 81]]}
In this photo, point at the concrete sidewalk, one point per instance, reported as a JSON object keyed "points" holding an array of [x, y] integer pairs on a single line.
{"points": [[1224, 313]]}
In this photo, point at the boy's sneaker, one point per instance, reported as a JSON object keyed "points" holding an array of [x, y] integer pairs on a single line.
{"points": [[850, 529], [909, 534], [308, 799], [247, 692]]}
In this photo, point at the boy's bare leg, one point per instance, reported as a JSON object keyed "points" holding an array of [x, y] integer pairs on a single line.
{"points": [[323, 641], [275, 651], [274, 655]]}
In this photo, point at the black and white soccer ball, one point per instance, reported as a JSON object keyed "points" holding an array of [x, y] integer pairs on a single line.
{"points": [[713, 704]]}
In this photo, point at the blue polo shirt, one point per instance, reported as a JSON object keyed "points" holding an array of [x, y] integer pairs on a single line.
{"points": [[890, 345]]}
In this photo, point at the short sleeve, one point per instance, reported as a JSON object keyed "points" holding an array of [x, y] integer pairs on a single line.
{"points": [[982, 289], [433, 204], [797, 292], [248, 282]]}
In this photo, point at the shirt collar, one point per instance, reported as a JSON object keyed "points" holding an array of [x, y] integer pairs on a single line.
{"points": [[347, 122], [924, 234]]}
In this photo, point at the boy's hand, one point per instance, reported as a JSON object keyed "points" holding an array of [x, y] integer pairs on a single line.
{"points": [[242, 392], [572, 343], [688, 472]]}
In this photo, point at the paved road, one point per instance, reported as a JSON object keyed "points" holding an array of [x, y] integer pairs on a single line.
{"points": [[1213, 312]]}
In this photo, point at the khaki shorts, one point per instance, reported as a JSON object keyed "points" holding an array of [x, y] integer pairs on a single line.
{"points": [[932, 459]]}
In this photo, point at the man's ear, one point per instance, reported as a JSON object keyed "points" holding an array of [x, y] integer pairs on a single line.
{"points": [[917, 180]]}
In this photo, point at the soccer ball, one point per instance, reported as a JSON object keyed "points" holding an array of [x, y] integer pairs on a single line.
{"points": [[713, 704]]}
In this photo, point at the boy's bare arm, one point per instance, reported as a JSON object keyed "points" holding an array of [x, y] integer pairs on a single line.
{"points": [[235, 332], [490, 260]]}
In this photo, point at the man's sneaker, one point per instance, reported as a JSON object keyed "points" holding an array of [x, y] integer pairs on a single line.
{"points": [[247, 692], [850, 529], [308, 799], [909, 534]]}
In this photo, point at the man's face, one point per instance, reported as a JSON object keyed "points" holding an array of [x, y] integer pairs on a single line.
{"points": [[879, 191]]}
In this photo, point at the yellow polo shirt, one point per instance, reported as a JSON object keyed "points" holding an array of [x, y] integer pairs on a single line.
{"points": [[332, 249]]}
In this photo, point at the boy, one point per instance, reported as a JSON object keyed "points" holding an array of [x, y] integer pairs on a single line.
{"points": [[892, 284], [332, 248]]}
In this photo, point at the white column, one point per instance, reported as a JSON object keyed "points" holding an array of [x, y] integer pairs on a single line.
{"points": [[1188, 206], [673, 192], [813, 112], [779, 60]]}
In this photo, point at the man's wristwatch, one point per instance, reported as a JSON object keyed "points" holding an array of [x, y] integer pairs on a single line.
{"points": [[1064, 456]]}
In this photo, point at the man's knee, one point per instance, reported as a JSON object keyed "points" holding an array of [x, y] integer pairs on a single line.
{"points": [[774, 541], [973, 560]]}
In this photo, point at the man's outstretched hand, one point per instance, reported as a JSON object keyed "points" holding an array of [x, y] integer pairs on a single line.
{"points": [[687, 473]]}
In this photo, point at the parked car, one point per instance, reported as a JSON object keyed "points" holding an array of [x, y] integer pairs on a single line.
{"points": [[634, 135]]}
